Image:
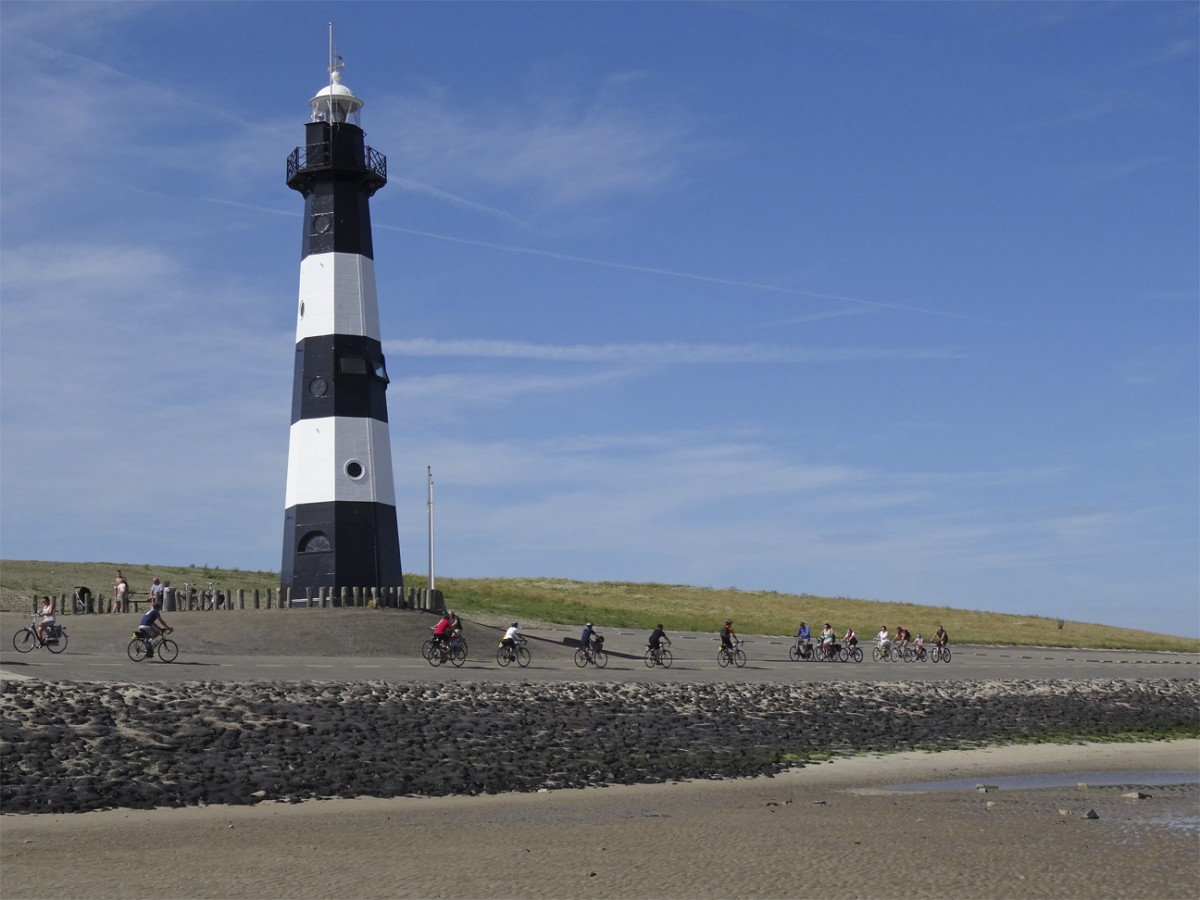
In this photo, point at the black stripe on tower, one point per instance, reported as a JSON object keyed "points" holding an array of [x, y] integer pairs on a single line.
{"points": [[339, 375], [366, 538], [337, 174]]}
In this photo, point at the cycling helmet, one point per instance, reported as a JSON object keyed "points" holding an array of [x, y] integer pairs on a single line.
{"points": [[589, 624]]}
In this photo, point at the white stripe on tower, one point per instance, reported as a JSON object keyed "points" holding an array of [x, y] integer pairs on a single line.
{"points": [[340, 508]]}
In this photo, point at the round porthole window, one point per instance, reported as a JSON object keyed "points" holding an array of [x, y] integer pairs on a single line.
{"points": [[318, 387], [321, 223], [355, 469]]}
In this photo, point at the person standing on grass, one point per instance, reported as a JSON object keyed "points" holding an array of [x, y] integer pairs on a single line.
{"points": [[120, 593]]}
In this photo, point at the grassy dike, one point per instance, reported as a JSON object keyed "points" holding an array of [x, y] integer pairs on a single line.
{"points": [[629, 605]]}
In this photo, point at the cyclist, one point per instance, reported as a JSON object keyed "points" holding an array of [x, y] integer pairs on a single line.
{"points": [[804, 639], [827, 639], [902, 637], [45, 620], [441, 633], [590, 640], [850, 639], [657, 636], [152, 625], [511, 636], [919, 646], [456, 629], [940, 638], [883, 640], [729, 640]]}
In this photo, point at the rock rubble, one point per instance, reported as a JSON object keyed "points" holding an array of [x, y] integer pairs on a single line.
{"points": [[77, 747]]}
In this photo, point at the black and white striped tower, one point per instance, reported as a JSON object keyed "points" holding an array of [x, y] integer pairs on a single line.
{"points": [[340, 512]]}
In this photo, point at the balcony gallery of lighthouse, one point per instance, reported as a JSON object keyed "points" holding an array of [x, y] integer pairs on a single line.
{"points": [[340, 508]]}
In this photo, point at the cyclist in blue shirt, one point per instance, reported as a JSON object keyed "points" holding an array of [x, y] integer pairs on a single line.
{"points": [[153, 624], [590, 639]]}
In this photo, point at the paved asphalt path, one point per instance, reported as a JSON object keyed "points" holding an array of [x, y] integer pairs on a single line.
{"points": [[552, 660]]}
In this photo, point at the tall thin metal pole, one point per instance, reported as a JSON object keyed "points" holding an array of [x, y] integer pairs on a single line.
{"points": [[432, 582]]}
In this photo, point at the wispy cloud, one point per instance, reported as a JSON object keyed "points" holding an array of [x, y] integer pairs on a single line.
{"points": [[670, 353], [1094, 174], [691, 276], [546, 157]]}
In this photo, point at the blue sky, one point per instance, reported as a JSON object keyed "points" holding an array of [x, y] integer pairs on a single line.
{"points": [[892, 301]]}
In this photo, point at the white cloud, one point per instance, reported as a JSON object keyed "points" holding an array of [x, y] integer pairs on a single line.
{"points": [[670, 353]]}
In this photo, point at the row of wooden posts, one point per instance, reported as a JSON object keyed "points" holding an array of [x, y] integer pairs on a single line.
{"points": [[81, 602]]}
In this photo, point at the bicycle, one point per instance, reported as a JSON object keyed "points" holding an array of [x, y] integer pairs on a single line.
{"points": [[887, 654], [801, 650], [518, 653], [26, 639], [851, 653], [832, 653], [734, 655], [454, 651], [594, 655], [82, 599], [939, 654], [142, 647], [660, 657], [212, 598]]}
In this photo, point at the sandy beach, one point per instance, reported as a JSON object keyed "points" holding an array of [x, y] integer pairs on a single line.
{"points": [[830, 830]]}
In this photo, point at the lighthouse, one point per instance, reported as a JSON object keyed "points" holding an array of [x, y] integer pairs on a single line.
{"points": [[340, 507]]}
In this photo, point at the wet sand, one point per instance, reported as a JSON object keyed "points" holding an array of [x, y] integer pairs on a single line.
{"points": [[832, 830]]}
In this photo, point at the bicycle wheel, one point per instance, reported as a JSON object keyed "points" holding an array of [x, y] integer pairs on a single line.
{"points": [[137, 649], [844, 655], [458, 655], [168, 650], [665, 658], [876, 654], [600, 658], [794, 653], [945, 654], [581, 657], [920, 655], [723, 658], [908, 654], [856, 654], [24, 640], [427, 648], [502, 656], [739, 658], [523, 657], [437, 657], [60, 643]]}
